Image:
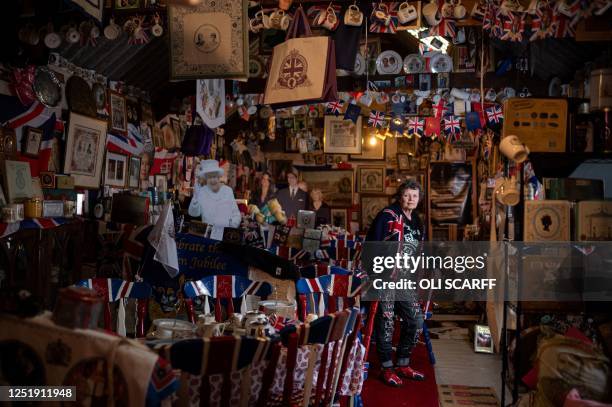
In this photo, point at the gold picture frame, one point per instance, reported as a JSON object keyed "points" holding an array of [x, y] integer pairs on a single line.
{"points": [[85, 150], [337, 186], [341, 136], [371, 179], [209, 40]]}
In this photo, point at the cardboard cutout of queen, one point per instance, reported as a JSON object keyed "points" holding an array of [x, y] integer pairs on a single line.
{"points": [[213, 201]]}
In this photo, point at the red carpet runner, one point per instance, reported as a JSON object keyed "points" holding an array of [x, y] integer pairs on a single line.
{"points": [[413, 394]]}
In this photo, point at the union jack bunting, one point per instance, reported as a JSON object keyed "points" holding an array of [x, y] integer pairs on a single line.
{"points": [[335, 107], [290, 253], [513, 27], [542, 24], [376, 119], [382, 27], [452, 125], [416, 126], [223, 286], [112, 289], [495, 114], [446, 28]]}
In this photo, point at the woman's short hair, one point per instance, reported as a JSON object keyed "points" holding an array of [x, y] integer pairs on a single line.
{"points": [[409, 184]]}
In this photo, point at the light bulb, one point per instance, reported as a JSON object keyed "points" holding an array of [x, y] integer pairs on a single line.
{"points": [[373, 141]]}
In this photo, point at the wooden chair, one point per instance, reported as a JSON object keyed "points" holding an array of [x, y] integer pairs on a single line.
{"points": [[325, 294], [116, 290], [226, 355], [223, 288], [334, 332]]}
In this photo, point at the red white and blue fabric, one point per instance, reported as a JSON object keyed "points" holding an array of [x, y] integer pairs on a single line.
{"points": [[113, 289], [376, 119], [395, 227], [315, 293], [226, 287], [131, 144], [38, 223], [334, 107], [321, 269], [495, 114], [542, 24], [440, 108], [446, 28], [162, 161], [416, 126], [378, 26], [18, 117], [452, 126], [290, 253]]}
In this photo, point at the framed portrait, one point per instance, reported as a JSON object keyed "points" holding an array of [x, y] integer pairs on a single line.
{"points": [[336, 185], [341, 136], [371, 147], [339, 217], [18, 180], [47, 179], [370, 205], [116, 167], [127, 4], [371, 179], [209, 40], [85, 150], [118, 113], [133, 111], [31, 142], [403, 161], [134, 176], [161, 182]]}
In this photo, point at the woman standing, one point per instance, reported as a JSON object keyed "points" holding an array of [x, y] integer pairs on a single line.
{"points": [[321, 209], [264, 192]]}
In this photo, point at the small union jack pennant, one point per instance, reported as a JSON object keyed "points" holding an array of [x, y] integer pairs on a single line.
{"points": [[416, 126], [376, 119], [495, 114], [452, 127], [335, 107], [440, 108]]}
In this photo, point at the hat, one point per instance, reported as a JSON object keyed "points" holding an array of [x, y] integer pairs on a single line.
{"points": [[209, 166]]}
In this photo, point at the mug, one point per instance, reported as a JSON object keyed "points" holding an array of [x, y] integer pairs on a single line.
{"points": [[459, 10], [406, 13], [507, 192], [275, 18], [514, 149], [210, 330], [491, 95], [431, 14], [266, 20], [382, 14], [448, 9], [353, 16], [257, 23], [331, 19]]}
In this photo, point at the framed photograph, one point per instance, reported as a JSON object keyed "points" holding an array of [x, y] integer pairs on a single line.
{"points": [[209, 40], [84, 150], [127, 4], [161, 182], [134, 177], [369, 206], [483, 341], [371, 179], [133, 111], [403, 161], [339, 217], [593, 221], [17, 180], [370, 150], [47, 179], [336, 185], [31, 142], [341, 136], [291, 143], [116, 167], [118, 112]]}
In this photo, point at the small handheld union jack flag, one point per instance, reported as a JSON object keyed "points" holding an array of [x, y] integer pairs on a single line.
{"points": [[376, 119], [440, 108], [416, 126], [334, 107], [495, 114]]}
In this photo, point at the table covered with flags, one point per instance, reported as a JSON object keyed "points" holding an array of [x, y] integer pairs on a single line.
{"points": [[7, 229]]}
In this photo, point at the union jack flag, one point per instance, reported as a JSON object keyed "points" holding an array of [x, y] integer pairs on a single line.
{"points": [[513, 27], [452, 125], [395, 227], [376, 118], [416, 126], [334, 107], [440, 108], [446, 28], [112, 289], [495, 114]]}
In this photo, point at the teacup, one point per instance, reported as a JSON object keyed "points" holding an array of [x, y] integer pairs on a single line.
{"points": [[382, 14], [406, 13], [276, 19], [431, 14], [459, 10], [210, 330], [254, 316], [512, 147], [507, 191], [256, 23], [353, 16], [331, 20], [206, 318]]}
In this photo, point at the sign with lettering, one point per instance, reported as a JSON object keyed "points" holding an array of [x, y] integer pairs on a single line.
{"points": [[200, 257]]}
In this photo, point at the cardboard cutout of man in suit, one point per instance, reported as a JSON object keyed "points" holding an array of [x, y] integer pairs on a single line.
{"points": [[292, 199]]}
